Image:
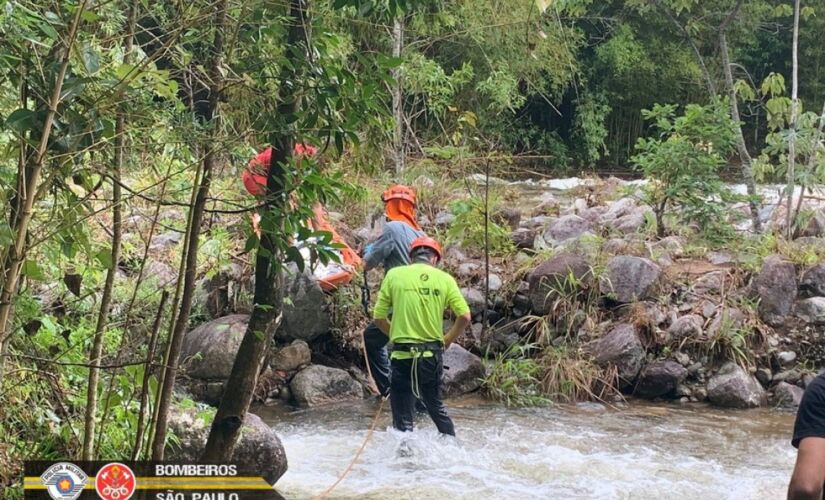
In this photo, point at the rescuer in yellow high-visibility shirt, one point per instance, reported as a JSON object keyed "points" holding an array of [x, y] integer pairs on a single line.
{"points": [[418, 295]]}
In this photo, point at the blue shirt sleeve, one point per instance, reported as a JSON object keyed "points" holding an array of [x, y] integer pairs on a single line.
{"points": [[378, 250]]}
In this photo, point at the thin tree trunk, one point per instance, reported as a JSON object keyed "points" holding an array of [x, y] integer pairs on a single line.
{"points": [[398, 96], [268, 280], [127, 317], [744, 156], [13, 262], [811, 159], [485, 321], [147, 374], [106, 298], [789, 220], [190, 272], [175, 302]]}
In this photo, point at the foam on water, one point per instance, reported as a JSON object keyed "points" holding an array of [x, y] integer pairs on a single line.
{"points": [[563, 452]]}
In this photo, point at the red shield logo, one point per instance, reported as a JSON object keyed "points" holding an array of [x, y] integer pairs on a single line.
{"points": [[115, 482]]}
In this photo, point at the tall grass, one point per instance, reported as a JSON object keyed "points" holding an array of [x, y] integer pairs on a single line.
{"points": [[529, 375]]}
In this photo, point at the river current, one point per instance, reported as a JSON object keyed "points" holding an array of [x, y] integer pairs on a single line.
{"points": [[638, 451]]}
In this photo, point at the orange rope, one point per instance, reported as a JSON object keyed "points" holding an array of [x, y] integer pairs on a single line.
{"points": [[327, 491]]}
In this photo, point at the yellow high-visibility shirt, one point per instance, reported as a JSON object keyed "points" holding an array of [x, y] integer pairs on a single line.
{"points": [[418, 294]]}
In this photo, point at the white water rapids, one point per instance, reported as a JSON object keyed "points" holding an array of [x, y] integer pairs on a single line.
{"points": [[585, 451]]}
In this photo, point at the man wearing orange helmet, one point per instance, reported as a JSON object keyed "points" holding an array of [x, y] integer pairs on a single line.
{"points": [[418, 295], [391, 250]]}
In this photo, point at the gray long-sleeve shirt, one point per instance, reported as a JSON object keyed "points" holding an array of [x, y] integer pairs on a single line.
{"points": [[392, 248]]}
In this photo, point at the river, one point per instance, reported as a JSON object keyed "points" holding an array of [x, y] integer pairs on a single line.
{"points": [[640, 451]]}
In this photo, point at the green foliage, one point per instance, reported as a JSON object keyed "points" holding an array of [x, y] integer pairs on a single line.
{"points": [[468, 228], [682, 164], [515, 379], [591, 113]]}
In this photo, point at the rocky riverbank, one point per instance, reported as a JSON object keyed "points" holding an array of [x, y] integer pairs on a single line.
{"points": [[737, 325]]}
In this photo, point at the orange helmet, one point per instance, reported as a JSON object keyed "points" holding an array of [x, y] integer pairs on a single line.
{"points": [[398, 192], [426, 242]]}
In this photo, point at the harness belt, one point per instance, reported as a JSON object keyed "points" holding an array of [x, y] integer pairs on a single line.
{"points": [[413, 351]]}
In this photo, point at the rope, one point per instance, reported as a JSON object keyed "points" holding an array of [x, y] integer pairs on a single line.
{"points": [[414, 375], [327, 491]]}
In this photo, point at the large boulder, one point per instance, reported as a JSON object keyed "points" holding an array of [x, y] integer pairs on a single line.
{"points": [[811, 310], [463, 371], [630, 279], [786, 395], [734, 387], [776, 289], [554, 275], [660, 378], [564, 228], [305, 314], [291, 357], [317, 384], [475, 299], [208, 352], [258, 449], [621, 348], [813, 281]]}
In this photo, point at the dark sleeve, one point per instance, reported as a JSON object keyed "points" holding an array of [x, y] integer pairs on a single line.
{"points": [[810, 418]]}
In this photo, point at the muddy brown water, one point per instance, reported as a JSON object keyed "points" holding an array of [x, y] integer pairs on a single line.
{"points": [[639, 451]]}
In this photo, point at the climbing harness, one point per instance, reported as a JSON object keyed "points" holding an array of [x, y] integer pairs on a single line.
{"points": [[415, 352], [327, 491]]}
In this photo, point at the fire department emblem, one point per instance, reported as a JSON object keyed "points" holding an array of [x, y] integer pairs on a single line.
{"points": [[115, 481]]}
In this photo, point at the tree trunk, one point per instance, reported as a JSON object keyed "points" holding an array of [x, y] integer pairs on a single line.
{"points": [[147, 374], [811, 159], [744, 156], [398, 97], [28, 180], [106, 298], [789, 219], [210, 117], [268, 281]]}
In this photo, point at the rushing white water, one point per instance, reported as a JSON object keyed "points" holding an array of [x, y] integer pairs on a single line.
{"points": [[585, 451]]}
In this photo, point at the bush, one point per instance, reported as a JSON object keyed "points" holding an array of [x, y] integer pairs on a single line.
{"points": [[681, 165], [468, 228]]}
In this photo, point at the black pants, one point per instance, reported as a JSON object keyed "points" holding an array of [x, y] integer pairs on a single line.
{"points": [[376, 344], [402, 400]]}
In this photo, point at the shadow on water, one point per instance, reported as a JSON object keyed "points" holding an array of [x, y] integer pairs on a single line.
{"points": [[569, 451]]}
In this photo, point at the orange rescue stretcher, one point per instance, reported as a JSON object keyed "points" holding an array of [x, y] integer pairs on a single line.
{"points": [[331, 275]]}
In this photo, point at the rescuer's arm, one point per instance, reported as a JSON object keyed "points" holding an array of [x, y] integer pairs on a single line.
{"points": [[382, 307], [809, 473], [461, 324], [461, 310]]}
